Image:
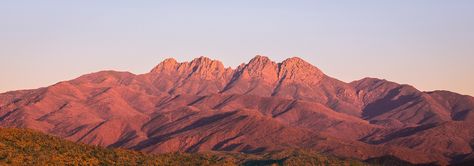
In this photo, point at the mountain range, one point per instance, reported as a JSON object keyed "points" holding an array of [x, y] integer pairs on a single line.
{"points": [[260, 106]]}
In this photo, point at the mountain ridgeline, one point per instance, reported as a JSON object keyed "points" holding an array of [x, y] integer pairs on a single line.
{"points": [[258, 107]]}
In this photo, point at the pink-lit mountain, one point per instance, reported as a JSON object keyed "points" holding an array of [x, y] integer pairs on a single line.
{"points": [[260, 106]]}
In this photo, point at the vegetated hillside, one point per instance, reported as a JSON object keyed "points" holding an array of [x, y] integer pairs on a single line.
{"points": [[258, 107], [28, 147]]}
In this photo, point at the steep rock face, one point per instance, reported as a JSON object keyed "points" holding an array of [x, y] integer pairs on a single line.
{"points": [[258, 77], [200, 68], [201, 76], [296, 70], [299, 79], [258, 107]]}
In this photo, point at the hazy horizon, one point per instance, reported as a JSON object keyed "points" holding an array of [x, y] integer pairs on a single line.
{"points": [[427, 44]]}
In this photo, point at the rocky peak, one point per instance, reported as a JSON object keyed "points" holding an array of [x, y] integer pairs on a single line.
{"points": [[205, 63], [298, 70], [261, 67], [202, 67], [207, 68], [201, 60], [259, 59], [296, 63], [294, 60], [167, 64]]}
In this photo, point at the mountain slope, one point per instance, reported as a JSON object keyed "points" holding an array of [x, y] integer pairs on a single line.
{"points": [[262, 106]]}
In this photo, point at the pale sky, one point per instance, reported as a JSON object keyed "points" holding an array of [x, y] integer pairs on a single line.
{"points": [[426, 43]]}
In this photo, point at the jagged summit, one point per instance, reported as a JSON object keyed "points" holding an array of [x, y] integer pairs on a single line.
{"points": [[260, 76], [296, 69], [260, 58], [259, 71], [200, 62], [257, 66], [260, 67], [168, 63], [294, 60], [204, 61], [201, 67]]}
